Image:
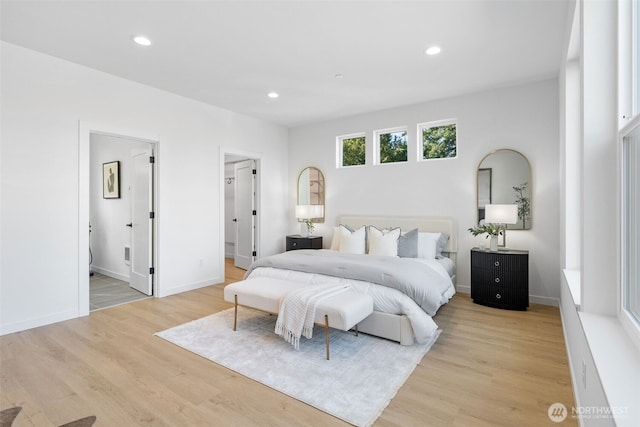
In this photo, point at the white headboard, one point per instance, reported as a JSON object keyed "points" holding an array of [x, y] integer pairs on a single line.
{"points": [[440, 224]]}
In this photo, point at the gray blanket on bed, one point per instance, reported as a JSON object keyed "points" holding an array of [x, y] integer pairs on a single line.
{"points": [[419, 281]]}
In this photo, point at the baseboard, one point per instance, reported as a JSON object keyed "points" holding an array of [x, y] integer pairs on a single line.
{"points": [[164, 292], [110, 273], [553, 302], [35, 322], [463, 289]]}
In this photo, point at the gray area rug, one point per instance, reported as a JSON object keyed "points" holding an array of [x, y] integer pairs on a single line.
{"points": [[359, 381]]}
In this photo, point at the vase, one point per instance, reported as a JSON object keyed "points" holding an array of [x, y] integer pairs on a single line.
{"points": [[493, 243]]}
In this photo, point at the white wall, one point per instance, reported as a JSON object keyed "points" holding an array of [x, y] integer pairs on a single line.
{"points": [[523, 118], [43, 101]]}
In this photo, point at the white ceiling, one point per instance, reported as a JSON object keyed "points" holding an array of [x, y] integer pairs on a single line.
{"points": [[232, 53]]}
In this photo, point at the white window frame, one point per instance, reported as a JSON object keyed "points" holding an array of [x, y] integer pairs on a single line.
{"points": [[428, 125], [376, 143], [630, 321], [629, 121], [340, 149]]}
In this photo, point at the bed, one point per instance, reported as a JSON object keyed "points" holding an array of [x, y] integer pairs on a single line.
{"points": [[407, 290]]}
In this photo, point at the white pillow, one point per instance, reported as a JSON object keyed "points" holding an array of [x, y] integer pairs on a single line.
{"points": [[383, 242], [337, 235], [352, 242], [430, 245], [335, 240]]}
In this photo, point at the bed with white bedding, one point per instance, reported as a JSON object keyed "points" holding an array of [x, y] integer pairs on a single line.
{"points": [[409, 277]]}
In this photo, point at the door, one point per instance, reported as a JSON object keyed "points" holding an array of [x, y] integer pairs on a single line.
{"points": [[245, 213], [142, 215]]}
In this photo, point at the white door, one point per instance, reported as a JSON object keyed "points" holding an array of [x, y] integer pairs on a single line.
{"points": [[245, 215], [142, 214]]}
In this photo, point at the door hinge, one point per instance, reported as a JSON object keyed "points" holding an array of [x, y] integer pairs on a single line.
{"points": [[254, 253], [255, 171], [152, 159], [254, 212], [151, 270], [152, 215]]}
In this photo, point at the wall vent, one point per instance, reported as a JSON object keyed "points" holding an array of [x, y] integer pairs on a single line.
{"points": [[127, 254]]}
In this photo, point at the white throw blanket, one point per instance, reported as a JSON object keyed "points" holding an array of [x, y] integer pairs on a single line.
{"points": [[298, 311]]}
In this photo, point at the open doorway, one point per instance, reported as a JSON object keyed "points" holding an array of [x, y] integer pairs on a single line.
{"points": [[121, 217], [241, 213]]}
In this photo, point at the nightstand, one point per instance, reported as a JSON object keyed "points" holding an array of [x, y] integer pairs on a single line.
{"points": [[296, 241], [500, 279]]}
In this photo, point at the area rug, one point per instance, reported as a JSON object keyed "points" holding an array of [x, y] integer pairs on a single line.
{"points": [[355, 385]]}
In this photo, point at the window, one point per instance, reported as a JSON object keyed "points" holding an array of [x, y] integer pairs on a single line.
{"points": [[391, 145], [631, 221], [635, 31], [351, 150], [629, 93], [439, 140]]}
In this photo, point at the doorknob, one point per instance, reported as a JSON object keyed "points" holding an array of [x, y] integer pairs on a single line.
{"points": [[130, 225], [235, 219]]}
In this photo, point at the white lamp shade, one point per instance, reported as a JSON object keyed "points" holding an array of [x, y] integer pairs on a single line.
{"points": [[309, 211], [501, 214]]}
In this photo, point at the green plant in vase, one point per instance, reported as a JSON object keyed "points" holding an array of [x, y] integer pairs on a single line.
{"points": [[310, 226], [491, 230], [488, 229]]}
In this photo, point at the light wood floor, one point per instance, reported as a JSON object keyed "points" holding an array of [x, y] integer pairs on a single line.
{"points": [[489, 367]]}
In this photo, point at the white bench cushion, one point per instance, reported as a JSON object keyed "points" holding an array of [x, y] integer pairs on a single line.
{"points": [[263, 293], [344, 310]]}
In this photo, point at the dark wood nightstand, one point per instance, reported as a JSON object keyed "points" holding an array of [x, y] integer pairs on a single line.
{"points": [[296, 241], [500, 279]]}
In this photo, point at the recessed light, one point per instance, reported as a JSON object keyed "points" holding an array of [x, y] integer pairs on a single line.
{"points": [[142, 40], [433, 50], [273, 95], [339, 76]]}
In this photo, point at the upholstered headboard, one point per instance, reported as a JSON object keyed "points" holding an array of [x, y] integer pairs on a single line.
{"points": [[422, 223]]}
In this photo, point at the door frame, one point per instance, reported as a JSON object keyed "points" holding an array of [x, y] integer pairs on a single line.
{"points": [[250, 155], [85, 129]]}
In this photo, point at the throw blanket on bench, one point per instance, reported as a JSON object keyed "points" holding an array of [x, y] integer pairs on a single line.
{"points": [[298, 311]]}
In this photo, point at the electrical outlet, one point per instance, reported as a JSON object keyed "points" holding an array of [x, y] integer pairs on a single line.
{"points": [[584, 375], [201, 262]]}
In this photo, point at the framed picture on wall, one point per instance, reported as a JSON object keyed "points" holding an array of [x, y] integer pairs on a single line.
{"points": [[111, 180]]}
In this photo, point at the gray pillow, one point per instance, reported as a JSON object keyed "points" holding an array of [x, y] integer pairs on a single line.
{"points": [[408, 244]]}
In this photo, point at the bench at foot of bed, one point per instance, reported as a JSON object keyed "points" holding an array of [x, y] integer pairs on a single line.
{"points": [[343, 311]]}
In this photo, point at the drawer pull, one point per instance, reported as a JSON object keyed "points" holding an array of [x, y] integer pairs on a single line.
{"points": [[497, 263], [497, 280], [498, 296]]}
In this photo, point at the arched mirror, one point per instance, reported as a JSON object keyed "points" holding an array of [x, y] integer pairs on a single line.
{"points": [[504, 177], [311, 192]]}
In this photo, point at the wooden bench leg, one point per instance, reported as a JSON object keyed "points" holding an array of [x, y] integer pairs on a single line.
{"points": [[235, 312], [326, 333]]}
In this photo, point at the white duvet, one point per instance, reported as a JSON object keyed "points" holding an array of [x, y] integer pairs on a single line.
{"points": [[385, 299]]}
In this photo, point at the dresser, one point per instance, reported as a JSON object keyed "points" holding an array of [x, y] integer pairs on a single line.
{"points": [[500, 279], [296, 241]]}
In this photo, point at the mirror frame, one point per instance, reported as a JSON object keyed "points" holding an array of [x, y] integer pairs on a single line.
{"points": [[321, 190], [529, 189]]}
